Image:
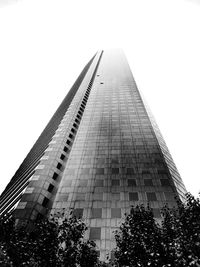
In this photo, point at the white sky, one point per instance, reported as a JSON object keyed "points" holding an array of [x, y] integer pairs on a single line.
{"points": [[44, 44]]}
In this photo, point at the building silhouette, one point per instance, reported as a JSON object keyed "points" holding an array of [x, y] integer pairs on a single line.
{"points": [[101, 153]]}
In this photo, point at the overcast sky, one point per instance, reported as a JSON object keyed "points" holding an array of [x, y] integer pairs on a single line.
{"points": [[44, 44]]}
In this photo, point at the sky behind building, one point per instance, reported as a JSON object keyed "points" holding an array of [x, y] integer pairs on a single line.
{"points": [[45, 44]]}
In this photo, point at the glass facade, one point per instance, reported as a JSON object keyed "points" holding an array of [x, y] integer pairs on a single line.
{"points": [[106, 155], [116, 160]]}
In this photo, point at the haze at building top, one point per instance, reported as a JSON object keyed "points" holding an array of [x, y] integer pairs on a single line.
{"points": [[42, 43]]}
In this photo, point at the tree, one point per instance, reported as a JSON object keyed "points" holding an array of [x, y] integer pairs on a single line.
{"points": [[141, 241], [181, 232], [73, 251], [138, 242], [57, 241], [176, 242]]}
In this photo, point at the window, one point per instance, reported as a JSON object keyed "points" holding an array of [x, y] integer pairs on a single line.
{"points": [[100, 161], [55, 175], [115, 170], [156, 213], [71, 171], [82, 182], [40, 167], [59, 165], [96, 213], [87, 160], [65, 149], [145, 172], [62, 157], [169, 196], [63, 197], [151, 196], [68, 142], [85, 171], [115, 196], [21, 205], [146, 176], [148, 182], [67, 183], [71, 136], [98, 182], [164, 182], [130, 171], [115, 160], [131, 182], [78, 116], [45, 202], [29, 190], [75, 125], [72, 130], [133, 196], [80, 196], [50, 188], [35, 178], [78, 213], [115, 182], [115, 213], [100, 171], [98, 196], [95, 233], [162, 172]]}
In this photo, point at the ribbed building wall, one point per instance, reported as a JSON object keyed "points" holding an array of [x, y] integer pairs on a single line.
{"points": [[40, 192], [14, 190]]}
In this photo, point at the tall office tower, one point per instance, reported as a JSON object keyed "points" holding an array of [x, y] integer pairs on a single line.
{"points": [[100, 154]]}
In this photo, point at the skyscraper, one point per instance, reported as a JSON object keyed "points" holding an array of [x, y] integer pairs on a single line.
{"points": [[101, 153]]}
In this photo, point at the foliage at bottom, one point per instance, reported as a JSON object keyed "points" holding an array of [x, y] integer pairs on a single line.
{"points": [[142, 241], [55, 242], [175, 241]]}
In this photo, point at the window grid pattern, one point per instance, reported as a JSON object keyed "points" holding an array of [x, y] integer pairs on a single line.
{"points": [[115, 161]]}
